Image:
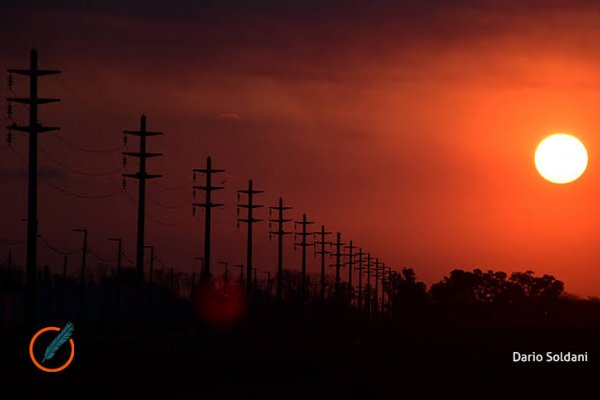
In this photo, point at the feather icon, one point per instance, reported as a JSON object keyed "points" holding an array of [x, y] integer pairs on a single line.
{"points": [[63, 336]]}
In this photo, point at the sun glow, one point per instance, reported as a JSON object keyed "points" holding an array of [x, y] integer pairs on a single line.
{"points": [[561, 158]]}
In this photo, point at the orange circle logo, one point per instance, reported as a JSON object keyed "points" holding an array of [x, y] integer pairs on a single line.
{"points": [[40, 366]]}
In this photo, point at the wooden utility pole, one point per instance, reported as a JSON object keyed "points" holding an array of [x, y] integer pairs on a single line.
{"points": [[84, 251], [338, 262], [383, 287], [280, 232], [33, 129], [9, 265], [65, 263], [142, 175], [376, 300], [350, 264], [322, 252], [303, 244], [226, 275], [390, 291], [360, 268], [250, 221], [119, 242], [368, 297], [268, 273], [208, 205], [151, 272], [241, 267]]}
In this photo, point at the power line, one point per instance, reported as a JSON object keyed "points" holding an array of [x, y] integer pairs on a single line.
{"points": [[164, 223], [83, 196], [54, 249], [167, 206], [78, 171], [88, 150], [11, 242], [172, 188], [98, 257], [68, 192]]}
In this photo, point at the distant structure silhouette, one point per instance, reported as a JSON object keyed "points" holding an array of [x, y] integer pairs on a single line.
{"points": [[303, 244], [338, 263], [280, 232], [33, 129], [208, 205], [250, 206], [359, 269], [323, 253], [141, 176]]}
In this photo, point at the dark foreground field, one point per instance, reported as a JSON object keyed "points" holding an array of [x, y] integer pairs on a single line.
{"points": [[285, 351]]}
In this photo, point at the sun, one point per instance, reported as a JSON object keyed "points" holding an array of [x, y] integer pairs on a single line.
{"points": [[561, 158]]}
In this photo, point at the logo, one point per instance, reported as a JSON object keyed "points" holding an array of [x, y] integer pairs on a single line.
{"points": [[61, 338]]}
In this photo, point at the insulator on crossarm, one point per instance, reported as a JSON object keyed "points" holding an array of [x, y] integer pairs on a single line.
{"points": [[237, 210], [9, 110], [238, 197], [9, 137], [194, 194], [237, 225], [10, 81], [194, 176], [124, 183], [193, 211], [125, 140], [270, 236], [124, 161]]}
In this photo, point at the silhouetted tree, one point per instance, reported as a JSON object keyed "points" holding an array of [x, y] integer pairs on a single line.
{"points": [[405, 292], [493, 288]]}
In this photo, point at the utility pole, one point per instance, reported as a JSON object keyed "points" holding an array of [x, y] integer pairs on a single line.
{"points": [[280, 232], [142, 175], [33, 129], [250, 220], [226, 276], [208, 205], [268, 273], [303, 244], [201, 259], [9, 265], [84, 251], [368, 296], [151, 273], [383, 287], [360, 272], [192, 285], [390, 291], [322, 242], [83, 255], [65, 263], [119, 268], [338, 262], [350, 263], [241, 267], [376, 301]]}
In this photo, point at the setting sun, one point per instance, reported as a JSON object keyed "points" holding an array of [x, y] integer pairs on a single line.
{"points": [[561, 158]]}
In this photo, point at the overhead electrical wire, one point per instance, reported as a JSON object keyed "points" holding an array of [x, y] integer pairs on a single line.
{"points": [[54, 249], [68, 192], [88, 150], [78, 171]]}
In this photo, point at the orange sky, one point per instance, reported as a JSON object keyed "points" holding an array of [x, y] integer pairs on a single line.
{"points": [[410, 129]]}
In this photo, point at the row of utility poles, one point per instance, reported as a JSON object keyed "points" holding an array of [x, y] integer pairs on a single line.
{"points": [[322, 245]]}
